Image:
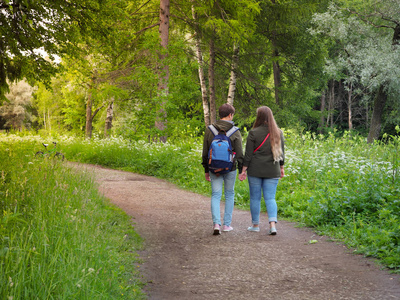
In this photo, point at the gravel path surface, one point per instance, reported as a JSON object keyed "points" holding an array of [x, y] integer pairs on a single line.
{"points": [[183, 260]]}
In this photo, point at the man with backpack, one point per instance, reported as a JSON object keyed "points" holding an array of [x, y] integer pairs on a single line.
{"points": [[222, 151]]}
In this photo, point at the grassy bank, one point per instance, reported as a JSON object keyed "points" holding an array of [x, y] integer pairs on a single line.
{"points": [[59, 238]]}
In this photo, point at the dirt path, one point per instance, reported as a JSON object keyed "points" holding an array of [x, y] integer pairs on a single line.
{"points": [[183, 260]]}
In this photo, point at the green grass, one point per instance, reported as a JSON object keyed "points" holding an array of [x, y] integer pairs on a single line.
{"points": [[341, 186], [59, 238]]}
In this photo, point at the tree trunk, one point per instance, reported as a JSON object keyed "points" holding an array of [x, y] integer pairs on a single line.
{"points": [[89, 115], [277, 81], [232, 80], [349, 104], [331, 104], [161, 122], [49, 119], [213, 111], [276, 69], [202, 78], [109, 118], [89, 104], [275, 66], [322, 121], [376, 121], [340, 94]]}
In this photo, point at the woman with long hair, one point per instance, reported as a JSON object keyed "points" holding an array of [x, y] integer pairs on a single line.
{"points": [[263, 162]]}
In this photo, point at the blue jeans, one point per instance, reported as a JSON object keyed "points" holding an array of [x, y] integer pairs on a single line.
{"points": [[268, 187], [228, 180]]}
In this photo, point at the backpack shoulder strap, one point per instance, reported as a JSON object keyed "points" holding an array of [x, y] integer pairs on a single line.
{"points": [[213, 130], [232, 131]]}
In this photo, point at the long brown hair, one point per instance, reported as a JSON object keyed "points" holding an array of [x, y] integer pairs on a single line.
{"points": [[265, 116]]}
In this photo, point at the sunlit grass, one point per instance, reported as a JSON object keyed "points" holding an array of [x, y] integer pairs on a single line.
{"points": [[59, 238]]}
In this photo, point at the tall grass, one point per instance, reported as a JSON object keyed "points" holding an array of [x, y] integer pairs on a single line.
{"points": [[347, 189], [341, 186], [59, 238]]}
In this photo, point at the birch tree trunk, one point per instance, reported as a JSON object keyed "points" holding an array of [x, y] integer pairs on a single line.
{"points": [[109, 118], [233, 78], [161, 122], [211, 79], [202, 78], [349, 104]]}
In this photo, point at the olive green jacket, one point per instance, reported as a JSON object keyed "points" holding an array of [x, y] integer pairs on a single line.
{"points": [[236, 140], [261, 163]]}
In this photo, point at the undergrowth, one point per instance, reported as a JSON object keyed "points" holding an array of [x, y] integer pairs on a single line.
{"points": [[59, 238]]}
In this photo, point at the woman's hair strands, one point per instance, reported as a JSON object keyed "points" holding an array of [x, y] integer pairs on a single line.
{"points": [[265, 116]]}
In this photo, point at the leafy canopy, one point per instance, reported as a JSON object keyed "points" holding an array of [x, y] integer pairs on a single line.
{"points": [[53, 26]]}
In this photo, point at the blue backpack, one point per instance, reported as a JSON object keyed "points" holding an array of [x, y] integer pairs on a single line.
{"points": [[220, 154]]}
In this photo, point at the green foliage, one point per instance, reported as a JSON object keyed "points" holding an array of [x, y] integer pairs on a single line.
{"points": [[59, 238], [53, 26], [364, 51]]}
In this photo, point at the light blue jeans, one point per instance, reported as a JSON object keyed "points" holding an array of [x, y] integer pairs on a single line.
{"points": [[228, 180], [268, 187]]}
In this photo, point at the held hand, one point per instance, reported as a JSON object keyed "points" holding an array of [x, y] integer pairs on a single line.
{"points": [[242, 176], [207, 176]]}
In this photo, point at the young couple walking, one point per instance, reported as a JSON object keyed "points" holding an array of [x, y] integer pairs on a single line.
{"points": [[262, 164]]}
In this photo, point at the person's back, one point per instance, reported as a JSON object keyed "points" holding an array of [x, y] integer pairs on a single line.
{"points": [[228, 179], [264, 161]]}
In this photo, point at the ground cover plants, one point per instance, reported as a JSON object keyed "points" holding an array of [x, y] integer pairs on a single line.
{"points": [[337, 184], [347, 189], [59, 238], [340, 185]]}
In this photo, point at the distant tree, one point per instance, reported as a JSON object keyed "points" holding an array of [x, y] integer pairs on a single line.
{"points": [[16, 110], [367, 54], [163, 92]]}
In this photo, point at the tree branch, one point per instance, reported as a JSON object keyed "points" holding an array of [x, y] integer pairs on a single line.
{"points": [[365, 19]]}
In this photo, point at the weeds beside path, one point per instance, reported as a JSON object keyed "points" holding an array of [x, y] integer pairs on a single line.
{"points": [[183, 260]]}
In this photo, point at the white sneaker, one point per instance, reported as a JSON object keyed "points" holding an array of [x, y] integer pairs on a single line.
{"points": [[254, 229]]}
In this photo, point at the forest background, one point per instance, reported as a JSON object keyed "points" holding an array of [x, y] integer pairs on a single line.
{"points": [[148, 69]]}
